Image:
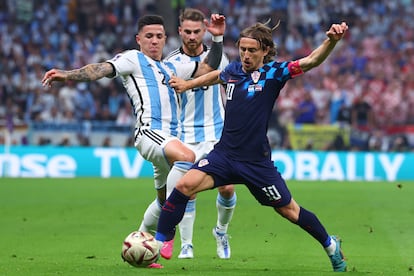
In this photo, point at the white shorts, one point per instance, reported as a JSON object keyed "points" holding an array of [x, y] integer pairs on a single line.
{"points": [[151, 144], [201, 149]]}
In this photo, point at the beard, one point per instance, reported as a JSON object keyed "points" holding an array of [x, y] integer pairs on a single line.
{"points": [[192, 45]]}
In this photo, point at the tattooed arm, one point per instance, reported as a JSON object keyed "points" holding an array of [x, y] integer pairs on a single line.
{"points": [[89, 72]]}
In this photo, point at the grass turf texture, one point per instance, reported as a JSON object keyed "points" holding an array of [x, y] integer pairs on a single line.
{"points": [[76, 227]]}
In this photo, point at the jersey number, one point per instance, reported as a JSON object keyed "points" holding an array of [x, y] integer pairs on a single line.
{"points": [[272, 193], [230, 90], [164, 81]]}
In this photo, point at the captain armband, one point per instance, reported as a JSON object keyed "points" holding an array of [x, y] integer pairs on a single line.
{"points": [[294, 69]]}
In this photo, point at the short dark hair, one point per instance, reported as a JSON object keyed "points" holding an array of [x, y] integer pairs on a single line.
{"points": [[191, 14], [150, 20]]}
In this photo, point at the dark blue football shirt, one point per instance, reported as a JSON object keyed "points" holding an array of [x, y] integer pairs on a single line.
{"points": [[250, 100]]}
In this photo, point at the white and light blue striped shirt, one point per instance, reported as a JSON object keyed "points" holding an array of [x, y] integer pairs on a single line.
{"points": [[202, 112], [154, 102]]}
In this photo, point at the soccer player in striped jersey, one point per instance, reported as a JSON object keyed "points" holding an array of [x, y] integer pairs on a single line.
{"points": [[243, 154], [145, 77], [202, 116]]}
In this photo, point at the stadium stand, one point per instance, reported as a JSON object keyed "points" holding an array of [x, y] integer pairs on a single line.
{"points": [[367, 84]]}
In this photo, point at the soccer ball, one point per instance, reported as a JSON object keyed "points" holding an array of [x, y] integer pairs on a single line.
{"points": [[140, 249]]}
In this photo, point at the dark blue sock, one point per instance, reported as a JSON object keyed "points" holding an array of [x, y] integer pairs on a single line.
{"points": [[171, 214], [311, 224]]}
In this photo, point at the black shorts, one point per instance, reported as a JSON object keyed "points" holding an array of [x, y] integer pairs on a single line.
{"points": [[261, 178]]}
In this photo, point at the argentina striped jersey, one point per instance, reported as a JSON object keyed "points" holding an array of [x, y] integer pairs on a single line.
{"points": [[154, 102], [202, 109]]}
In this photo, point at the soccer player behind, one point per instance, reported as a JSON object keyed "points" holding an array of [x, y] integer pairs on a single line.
{"points": [[202, 116]]}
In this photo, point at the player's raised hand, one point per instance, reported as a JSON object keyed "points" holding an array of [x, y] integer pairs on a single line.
{"points": [[53, 75], [337, 31], [217, 24]]}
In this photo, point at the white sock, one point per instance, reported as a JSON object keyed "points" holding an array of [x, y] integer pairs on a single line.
{"points": [[330, 250], [187, 223], [150, 221], [176, 172], [225, 210]]}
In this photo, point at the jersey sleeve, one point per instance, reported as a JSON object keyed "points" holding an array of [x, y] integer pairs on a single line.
{"points": [[124, 63], [225, 74], [280, 70]]}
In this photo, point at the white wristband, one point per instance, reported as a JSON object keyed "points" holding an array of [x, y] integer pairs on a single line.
{"points": [[217, 38]]}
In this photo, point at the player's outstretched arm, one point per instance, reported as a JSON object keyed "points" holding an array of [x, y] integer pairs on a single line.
{"points": [[181, 85], [335, 33], [89, 72]]}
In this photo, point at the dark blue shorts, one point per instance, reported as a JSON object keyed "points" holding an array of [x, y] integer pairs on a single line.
{"points": [[261, 178]]}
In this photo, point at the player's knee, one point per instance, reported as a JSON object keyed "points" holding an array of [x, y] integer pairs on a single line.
{"points": [[185, 187], [188, 156], [226, 191], [177, 151]]}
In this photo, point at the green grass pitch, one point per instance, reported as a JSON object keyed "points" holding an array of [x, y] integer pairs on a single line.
{"points": [[76, 227]]}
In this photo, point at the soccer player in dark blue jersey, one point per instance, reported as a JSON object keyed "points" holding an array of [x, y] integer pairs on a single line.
{"points": [[243, 154]]}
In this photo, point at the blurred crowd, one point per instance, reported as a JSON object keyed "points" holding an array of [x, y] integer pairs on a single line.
{"points": [[367, 84]]}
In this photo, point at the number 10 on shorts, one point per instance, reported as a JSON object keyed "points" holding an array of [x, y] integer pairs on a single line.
{"points": [[272, 193]]}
